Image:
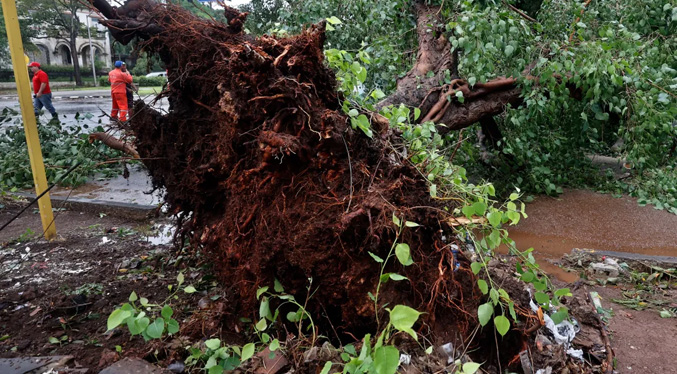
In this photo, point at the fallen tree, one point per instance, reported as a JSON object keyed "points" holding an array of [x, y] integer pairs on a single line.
{"points": [[267, 176]]}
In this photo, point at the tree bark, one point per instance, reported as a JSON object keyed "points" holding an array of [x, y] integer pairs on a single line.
{"points": [[420, 87], [74, 54]]}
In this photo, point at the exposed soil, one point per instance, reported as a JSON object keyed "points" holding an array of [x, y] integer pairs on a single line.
{"points": [[586, 219], [643, 341], [67, 288]]}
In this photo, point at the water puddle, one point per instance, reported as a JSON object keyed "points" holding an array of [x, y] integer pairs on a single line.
{"points": [[584, 219], [162, 235]]}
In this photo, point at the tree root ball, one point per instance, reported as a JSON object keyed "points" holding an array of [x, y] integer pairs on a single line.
{"points": [[269, 179]]}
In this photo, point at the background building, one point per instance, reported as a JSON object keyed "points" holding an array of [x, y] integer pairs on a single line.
{"points": [[56, 51]]}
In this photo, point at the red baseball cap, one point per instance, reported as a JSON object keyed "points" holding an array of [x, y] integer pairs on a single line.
{"points": [[34, 63]]}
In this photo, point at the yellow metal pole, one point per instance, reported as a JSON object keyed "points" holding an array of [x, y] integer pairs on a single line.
{"points": [[23, 87]]}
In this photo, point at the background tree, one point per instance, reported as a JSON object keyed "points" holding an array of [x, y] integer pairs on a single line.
{"points": [[27, 25], [58, 19], [585, 75]]}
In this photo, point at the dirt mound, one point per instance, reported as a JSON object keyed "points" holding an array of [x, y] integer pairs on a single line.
{"points": [[258, 158]]}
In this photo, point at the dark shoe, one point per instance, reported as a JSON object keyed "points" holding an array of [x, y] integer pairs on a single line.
{"points": [[55, 115]]}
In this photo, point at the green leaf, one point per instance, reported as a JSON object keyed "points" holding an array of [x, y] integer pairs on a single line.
{"points": [[278, 286], [167, 312], [137, 325], [559, 316], [563, 292], [172, 326], [509, 50], [403, 318], [53, 340], [326, 368], [411, 224], [248, 351], [261, 325], [264, 309], [417, 113], [542, 298], [480, 208], [334, 21], [493, 294], [665, 314], [189, 289], [484, 287], [274, 345], [502, 324], [376, 258], [468, 211], [460, 97], [476, 267], [353, 113], [261, 291], [397, 277], [484, 313], [396, 220], [471, 367], [362, 76], [377, 94], [362, 122], [179, 278], [540, 286], [386, 360], [403, 254], [156, 328], [216, 369], [495, 218], [511, 309], [117, 318], [133, 297], [213, 344], [429, 350], [528, 277]]}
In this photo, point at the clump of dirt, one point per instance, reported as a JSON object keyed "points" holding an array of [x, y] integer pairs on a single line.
{"points": [[274, 183]]}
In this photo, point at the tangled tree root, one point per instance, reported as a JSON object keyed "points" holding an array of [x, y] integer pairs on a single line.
{"points": [[266, 176], [278, 184]]}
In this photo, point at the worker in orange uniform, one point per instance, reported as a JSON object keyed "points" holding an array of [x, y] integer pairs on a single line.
{"points": [[118, 88]]}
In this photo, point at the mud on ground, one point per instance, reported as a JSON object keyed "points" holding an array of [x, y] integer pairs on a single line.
{"points": [[631, 305], [67, 288]]}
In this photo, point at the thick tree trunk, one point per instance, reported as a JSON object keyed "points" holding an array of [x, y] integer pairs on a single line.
{"points": [[420, 86], [74, 58]]}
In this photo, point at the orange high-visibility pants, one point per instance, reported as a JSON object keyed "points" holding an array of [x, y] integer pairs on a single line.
{"points": [[119, 106]]}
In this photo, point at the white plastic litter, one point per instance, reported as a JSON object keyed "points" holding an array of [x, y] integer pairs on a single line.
{"points": [[563, 332], [405, 359], [449, 351], [105, 240]]}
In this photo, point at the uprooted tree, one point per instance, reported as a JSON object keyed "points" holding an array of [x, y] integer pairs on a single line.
{"points": [[263, 163]]}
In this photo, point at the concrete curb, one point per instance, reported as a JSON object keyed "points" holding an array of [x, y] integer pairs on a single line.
{"points": [[136, 212]]}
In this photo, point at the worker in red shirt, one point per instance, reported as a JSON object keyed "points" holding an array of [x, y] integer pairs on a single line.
{"points": [[118, 87], [42, 94]]}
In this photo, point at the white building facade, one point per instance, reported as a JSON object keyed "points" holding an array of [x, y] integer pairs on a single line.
{"points": [[56, 51]]}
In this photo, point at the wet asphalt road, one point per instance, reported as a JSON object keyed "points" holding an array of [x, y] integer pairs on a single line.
{"points": [[89, 105]]}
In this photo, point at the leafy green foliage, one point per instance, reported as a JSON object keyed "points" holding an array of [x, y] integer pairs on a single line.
{"points": [[62, 147], [151, 321]]}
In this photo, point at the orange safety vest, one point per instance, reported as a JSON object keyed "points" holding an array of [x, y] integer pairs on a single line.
{"points": [[118, 81]]}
